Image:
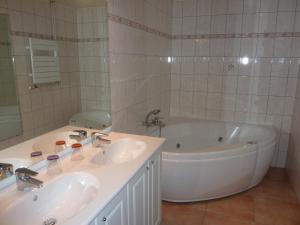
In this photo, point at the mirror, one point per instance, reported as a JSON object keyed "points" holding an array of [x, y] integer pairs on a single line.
{"points": [[10, 118], [81, 31], [92, 31]]}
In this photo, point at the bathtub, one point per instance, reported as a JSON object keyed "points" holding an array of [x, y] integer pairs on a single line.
{"points": [[204, 160]]}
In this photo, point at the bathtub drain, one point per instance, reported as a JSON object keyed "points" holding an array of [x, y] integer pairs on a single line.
{"points": [[51, 221]]}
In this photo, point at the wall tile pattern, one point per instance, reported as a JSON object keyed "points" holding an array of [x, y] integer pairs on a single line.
{"points": [[93, 58], [139, 50], [236, 61]]}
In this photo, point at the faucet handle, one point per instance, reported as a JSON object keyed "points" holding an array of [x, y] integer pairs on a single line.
{"points": [[99, 134], [81, 132], [97, 139], [26, 171], [6, 170], [6, 166]]}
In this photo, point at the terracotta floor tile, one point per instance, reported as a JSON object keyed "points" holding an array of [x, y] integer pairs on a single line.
{"points": [[183, 214], [240, 207], [274, 212], [272, 202], [183, 207], [184, 219], [212, 218], [274, 189], [276, 174]]}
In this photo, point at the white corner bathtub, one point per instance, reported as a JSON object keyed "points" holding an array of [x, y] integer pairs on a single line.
{"points": [[204, 160]]}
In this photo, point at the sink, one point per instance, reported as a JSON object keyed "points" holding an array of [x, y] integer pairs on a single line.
{"points": [[47, 144], [17, 163], [59, 201], [121, 151]]}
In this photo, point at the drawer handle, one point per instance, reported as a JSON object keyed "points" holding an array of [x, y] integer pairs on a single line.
{"points": [[104, 219]]}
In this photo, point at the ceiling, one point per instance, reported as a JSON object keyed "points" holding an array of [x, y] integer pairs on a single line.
{"points": [[82, 3]]}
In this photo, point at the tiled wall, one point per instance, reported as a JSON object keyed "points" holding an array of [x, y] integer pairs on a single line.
{"points": [[93, 58], [293, 163], [236, 60], [49, 106], [139, 46]]}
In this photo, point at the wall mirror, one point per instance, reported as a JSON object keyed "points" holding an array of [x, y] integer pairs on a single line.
{"points": [[81, 31], [10, 117], [92, 34]]}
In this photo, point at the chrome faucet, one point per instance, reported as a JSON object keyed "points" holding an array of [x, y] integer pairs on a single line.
{"points": [[151, 121], [6, 170], [82, 134], [98, 140], [25, 180]]}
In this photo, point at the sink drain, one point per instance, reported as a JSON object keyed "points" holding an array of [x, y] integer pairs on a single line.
{"points": [[51, 221]]}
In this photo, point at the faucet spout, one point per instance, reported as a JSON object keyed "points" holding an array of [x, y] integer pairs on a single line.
{"points": [[98, 140], [152, 120], [32, 182], [26, 181], [79, 136], [147, 121]]}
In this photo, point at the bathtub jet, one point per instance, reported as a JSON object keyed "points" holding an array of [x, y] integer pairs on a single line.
{"points": [[205, 167]]}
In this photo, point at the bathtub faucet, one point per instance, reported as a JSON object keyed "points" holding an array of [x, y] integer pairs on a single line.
{"points": [[152, 120]]}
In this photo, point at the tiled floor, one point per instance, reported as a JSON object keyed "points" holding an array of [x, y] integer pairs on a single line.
{"points": [[273, 202]]}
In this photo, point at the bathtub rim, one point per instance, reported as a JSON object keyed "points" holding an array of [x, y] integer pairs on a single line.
{"points": [[172, 121], [234, 147]]}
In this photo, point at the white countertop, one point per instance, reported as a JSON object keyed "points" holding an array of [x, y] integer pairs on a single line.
{"points": [[112, 177]]}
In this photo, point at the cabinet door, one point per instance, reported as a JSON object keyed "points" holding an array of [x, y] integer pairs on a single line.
{"points": [[154, 190], [138, 198], [115, 213]]}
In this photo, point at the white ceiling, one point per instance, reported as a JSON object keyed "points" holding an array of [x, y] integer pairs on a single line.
{"points": [[82, 3]]}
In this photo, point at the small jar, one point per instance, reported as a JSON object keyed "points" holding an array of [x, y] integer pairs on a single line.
{"points": [[60, 146], [36, 157], [77, 153], [54, 165]]}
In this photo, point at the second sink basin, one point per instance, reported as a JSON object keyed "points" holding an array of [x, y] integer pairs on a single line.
{"points": [[58, 201], [121, 151]]}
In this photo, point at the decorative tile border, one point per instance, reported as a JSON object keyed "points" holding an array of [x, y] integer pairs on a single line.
{"points": [[92, 40], [31, 35], [136, 25], [240, 35], [59, 38], [133, 24]]}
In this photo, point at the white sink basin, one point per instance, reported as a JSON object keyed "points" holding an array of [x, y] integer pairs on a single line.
{"points": [[121, 151], [17, 163], [61, 199], [47, 144]]}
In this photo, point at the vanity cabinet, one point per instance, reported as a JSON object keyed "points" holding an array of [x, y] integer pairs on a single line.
{"points": [[138, 189], [115, 213], [139, 202], [155, 190]]}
